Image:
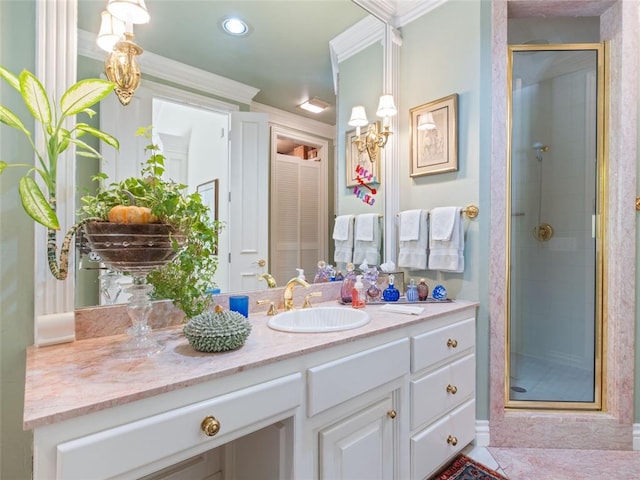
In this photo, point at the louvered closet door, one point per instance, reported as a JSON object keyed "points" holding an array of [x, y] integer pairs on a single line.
{"points": [[309, 220], [295, 218]]}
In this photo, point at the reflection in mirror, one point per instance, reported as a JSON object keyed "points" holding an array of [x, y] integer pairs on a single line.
{"points": [[197, 30]]}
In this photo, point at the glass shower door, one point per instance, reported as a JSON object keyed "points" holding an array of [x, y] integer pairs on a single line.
{"points": [[554, 311]]}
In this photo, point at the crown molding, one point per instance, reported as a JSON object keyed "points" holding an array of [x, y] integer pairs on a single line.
{"points": [[398, 13], [408, 11], [366, 32], [298, 122], [176, 72]]}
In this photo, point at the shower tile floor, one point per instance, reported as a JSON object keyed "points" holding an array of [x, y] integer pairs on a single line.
{"points": [[548, 464], [543, 380]]}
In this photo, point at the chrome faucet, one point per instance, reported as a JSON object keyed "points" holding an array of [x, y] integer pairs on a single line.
{"points": [[267, 277], [288, 292]]}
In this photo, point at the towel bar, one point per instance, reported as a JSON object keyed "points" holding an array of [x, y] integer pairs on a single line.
{"points": [[471, 211]]}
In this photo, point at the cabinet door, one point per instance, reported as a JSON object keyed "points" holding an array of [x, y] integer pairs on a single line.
{"points": [[360, 446]]}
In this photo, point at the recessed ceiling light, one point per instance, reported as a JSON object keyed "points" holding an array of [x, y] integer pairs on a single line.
{"points": [[314, 105], [235, 26]]}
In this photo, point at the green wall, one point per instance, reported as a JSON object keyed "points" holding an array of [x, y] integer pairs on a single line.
{"points": [[17, 23], [444, 52]]}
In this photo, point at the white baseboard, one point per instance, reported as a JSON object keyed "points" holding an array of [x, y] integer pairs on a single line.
{"points": [[482, 433], [636, 436]]}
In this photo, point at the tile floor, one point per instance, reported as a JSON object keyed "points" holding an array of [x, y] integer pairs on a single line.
{"points": [[547, 464], [545, 380]]}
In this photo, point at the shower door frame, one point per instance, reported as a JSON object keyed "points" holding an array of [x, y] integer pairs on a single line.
{"points": [[601, 221]]}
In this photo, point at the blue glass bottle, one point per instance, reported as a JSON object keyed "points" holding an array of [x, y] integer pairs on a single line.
{"points": [[439, 292], [412, 291], [391, 293]]}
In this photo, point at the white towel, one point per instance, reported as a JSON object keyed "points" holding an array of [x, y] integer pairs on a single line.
{"points": [[365, 224], [413, 253], [410, 225], [368, 250], [448, 255], [343, 227], [343, 252], [442, 221]]}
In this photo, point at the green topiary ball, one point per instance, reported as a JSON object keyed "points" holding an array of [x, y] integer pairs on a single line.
{"points": [[217, 331]]}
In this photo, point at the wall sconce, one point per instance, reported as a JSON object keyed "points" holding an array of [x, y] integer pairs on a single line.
{"points": [[374, 139], [116, 37]]}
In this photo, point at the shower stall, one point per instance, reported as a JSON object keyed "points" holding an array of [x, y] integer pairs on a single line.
{"points": [[554, 332]]}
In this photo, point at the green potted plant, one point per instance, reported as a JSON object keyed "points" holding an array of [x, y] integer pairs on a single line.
{"points": [[58, 132], [186, 278]]}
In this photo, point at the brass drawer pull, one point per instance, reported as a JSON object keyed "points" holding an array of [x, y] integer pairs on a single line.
{"points": [[451, 440], [452, 389], [452, 343], [210, 426], [392, 413]]}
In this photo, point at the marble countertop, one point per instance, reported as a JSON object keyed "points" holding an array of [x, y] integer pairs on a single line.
{"points": [[74, 379]]}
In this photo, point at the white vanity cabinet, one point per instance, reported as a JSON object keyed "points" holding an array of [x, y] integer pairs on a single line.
{"points": [[442, 393], [359, 438], [394, 399]]}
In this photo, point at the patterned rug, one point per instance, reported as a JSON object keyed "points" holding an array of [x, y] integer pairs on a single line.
{"points": [[464, 468]]}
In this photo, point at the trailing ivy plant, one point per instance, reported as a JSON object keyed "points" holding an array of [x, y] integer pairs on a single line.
{"points": [[189, 275], [58, 134]]}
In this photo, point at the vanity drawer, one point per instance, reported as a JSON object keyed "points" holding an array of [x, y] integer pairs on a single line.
{"points": [[431, 348], [434, 446], [114, 452], [335, 382], [442, 390]]}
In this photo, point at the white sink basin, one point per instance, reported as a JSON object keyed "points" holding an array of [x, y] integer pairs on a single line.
{"points": [[319, 320]]}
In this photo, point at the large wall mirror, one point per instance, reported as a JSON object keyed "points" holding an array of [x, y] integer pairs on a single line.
{"points": [[188, 32]]}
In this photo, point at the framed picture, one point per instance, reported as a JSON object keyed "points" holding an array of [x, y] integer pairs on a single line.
{"points": [[359, 162], [434, 137], [209, 193]]}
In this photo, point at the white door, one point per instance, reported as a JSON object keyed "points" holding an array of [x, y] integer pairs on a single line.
{"points": [[248, 199]]}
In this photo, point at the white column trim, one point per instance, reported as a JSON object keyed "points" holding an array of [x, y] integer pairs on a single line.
{"points": [[56, 51], [483, 437], [391, 157]]}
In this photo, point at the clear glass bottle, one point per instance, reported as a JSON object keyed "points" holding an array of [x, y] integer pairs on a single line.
{"points": [[348, 284], [391, 293], [321, 274], [412, 291]]}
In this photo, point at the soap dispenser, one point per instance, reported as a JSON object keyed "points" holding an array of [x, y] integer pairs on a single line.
{"points": [[357, 294], [391, 293], [347, 284]]}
